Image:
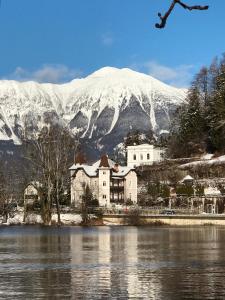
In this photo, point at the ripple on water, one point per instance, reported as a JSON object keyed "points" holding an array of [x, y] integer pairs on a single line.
{"points": [[112, 263]]}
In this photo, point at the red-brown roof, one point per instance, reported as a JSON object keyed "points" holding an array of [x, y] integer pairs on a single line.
{"points": [[80, 158], [104, 161]]}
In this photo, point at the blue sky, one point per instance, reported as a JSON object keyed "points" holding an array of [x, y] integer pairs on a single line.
{"points": [[58, 40]]}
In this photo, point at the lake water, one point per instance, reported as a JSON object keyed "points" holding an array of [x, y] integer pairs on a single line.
{"points": [[112, 263]]}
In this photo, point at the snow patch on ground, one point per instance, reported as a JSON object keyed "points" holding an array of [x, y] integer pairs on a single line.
{"points": [[66, 219], [17, 219], [207, 156], [214, 161]]}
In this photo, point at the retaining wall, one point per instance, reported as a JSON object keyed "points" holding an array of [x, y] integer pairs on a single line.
{"points": [[177, 220]]}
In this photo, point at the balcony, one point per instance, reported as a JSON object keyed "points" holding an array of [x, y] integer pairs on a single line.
{"points": [[116, 189]]}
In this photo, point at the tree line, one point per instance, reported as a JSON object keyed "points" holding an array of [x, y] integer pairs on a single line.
{"points": [[199, 124]]}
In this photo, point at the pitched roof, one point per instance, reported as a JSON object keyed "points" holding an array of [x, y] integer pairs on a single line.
{"points": [[92, 170], [187, 178], [110, 162]]}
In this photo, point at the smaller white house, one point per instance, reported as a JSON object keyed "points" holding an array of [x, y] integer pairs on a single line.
{"points": [[31, 192], [212, 192], [144, 154], [187, 180]]}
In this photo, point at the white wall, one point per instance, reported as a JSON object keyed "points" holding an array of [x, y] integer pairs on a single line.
{"points": [[130, 187], [77, 189], [104, 186], [144, 154], [30, 190]]}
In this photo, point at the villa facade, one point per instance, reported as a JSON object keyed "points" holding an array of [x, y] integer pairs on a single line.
{"points": [[109, 182]]}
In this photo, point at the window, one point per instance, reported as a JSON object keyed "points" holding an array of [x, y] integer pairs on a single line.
{"points": [[103, 196], [148, 156], [104, 183], [104, 172], [134, 157], [141, 156]]}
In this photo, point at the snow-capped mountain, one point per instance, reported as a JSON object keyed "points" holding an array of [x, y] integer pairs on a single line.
{"points": [[102, 107]]}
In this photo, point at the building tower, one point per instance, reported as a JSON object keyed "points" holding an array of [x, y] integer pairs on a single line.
{"points": [[104, 181]]}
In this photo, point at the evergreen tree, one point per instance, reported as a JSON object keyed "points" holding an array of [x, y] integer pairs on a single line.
{"points": [[188, 137], [200, 122], [216, 112]]}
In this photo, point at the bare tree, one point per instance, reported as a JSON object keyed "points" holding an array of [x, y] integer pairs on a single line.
{"points": [[164, 18], [62, 149], [51, 155], [7, 205]]}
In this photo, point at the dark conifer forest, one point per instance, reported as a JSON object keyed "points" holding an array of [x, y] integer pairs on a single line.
{"points": [[199, 124]]}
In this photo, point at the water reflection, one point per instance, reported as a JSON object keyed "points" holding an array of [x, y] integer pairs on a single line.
{"points": [[112, 263]]}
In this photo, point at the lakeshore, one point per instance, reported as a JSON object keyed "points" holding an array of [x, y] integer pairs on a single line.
{"points": [[175, 220], [122, 219]]}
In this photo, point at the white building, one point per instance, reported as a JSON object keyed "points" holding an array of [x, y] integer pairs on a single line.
{"points": [[109, 182], [144, 154], [31, 192]]}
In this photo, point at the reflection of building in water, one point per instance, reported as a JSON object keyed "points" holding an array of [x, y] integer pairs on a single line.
{"points": [[104, 257], [149, 245], [110, 261], [43, 257], [131, 244], [90, 260], [134, 278], [118, 263]]}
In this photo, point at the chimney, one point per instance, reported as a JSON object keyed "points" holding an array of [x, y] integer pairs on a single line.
{"points": [[116, 168]]}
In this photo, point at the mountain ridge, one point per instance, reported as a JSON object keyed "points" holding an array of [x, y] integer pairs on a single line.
{"points": [[107, 102]]}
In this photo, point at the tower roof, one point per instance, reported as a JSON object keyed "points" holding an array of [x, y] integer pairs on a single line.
{"points": [[104, 162], [80, 158]]}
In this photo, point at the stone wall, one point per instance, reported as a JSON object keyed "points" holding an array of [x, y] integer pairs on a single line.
{"points": [[168, 220]]}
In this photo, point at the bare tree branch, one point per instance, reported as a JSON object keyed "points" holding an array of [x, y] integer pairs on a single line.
{"points": [[164, 18]]}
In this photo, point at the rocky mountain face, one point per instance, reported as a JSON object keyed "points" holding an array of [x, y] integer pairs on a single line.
{"points": [[101, 108]]}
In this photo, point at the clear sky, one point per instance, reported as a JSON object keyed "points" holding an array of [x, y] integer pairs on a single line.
{"points": [[58, 40]]}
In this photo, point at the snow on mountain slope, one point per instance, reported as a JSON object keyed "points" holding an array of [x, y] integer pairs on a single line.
{"points": [[26, 104], [111, 91], [102, 106]]}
